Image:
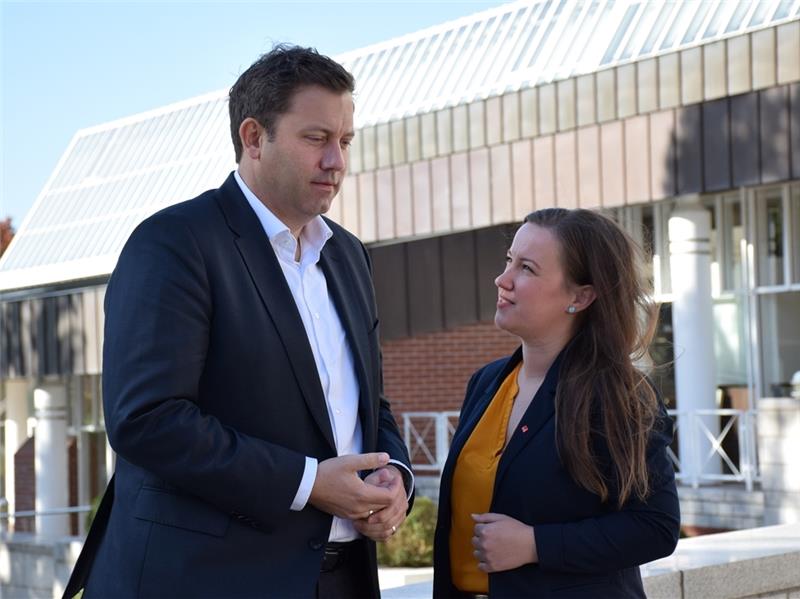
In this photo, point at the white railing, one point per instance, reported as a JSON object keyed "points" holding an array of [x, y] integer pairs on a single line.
{"points": [[697, 464], [428, 434]]}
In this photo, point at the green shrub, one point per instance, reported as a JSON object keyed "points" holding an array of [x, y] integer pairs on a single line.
{"points": [[412, 544], [93, 512]]}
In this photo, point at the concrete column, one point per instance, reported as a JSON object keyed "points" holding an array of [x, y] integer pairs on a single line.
{"points": [[778, 448], [50, 401], [692, 313], [16, 433]]}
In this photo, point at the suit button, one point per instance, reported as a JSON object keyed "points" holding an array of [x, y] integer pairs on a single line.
{"points": [[315, 544]]}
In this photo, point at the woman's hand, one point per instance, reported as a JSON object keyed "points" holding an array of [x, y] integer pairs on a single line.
{"points": [[502, 543]]}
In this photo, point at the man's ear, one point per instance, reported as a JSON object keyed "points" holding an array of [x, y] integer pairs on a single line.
{"points": [[584, 296], [250, 134]]}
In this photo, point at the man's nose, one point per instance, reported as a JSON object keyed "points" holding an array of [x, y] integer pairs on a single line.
{"points": [[335, 157]]}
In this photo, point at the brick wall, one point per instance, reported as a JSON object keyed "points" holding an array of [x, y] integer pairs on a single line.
{"points": [[25, 485], [72, 481], [430, 372]]}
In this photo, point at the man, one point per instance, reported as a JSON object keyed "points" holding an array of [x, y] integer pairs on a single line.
{"points": [[242, 374]]}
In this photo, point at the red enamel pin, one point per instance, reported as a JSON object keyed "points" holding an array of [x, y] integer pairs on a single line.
{"points": [[524, 428]]}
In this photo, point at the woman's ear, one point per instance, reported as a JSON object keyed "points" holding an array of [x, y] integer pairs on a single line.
{"points": [[584, 296]]}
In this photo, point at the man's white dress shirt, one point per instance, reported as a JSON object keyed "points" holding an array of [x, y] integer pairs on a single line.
{"points": [[327, 338]]}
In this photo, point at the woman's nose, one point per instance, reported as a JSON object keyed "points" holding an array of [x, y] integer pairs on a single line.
{"points": [[502, 280]]}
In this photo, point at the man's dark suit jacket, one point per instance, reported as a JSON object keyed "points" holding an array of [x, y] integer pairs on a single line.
{"points": [[586, 548], [212, 401]]}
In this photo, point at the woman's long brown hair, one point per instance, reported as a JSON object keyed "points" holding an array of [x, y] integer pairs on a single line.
{"points": [[601, 393]]}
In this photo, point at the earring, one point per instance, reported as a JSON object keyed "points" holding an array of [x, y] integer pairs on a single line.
{"points": [[571, 309]]}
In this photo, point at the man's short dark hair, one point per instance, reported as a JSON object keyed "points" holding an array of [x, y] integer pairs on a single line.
{"points": [[264, 91]]}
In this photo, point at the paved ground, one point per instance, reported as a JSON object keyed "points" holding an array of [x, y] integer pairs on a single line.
{"points": [[417, 590], [406, 583]]}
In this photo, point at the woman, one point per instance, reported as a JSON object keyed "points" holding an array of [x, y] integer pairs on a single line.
{"points": [[558, 482]]}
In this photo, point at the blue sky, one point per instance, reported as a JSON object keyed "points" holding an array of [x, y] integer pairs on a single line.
{"points": [[69, 65]]}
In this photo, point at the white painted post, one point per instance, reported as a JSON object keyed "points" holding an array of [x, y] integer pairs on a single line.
{"points": [[16, 433], [50, 402], [442, 446], [692, 314]]}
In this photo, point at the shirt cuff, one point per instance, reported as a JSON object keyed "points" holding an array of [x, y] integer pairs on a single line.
{"points": [[408, 477], [306, 484]]}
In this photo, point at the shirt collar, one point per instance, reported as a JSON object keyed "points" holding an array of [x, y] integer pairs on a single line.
{"points": [[313, 236]]}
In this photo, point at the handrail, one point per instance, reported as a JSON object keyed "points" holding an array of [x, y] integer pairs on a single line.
{"points": [[58, 511], [440, 425], [427, 436], [744, 470]]}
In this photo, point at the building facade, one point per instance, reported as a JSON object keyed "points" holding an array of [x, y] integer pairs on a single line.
{"points": [[681, 120]]}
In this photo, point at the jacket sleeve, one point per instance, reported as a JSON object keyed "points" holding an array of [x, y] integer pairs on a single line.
{"points": [[158, 314], [641, 531]]}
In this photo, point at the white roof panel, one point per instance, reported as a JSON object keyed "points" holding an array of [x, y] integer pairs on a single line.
{"points": [[114, 175]]}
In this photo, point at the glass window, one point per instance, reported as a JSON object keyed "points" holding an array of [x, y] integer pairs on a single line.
{"points": [[589, 47], [86, 428], [794, 234], [759, 14], [663, 357], [648, 248], [783, 10], [627, 19], [546, 35], [738, 16], [531, 27], [678, 23], [3, 504], [769, 237], [582, 38], [636, 39], [661, 21], [780, 341], [716, 20], [732, 237], [730, 340], [662, 283], [566, 40], [697, 22]]}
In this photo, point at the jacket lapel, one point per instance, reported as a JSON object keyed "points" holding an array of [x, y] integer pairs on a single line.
{"points": [[476, 412], [268, 278], [540, 411], [341, 287]]}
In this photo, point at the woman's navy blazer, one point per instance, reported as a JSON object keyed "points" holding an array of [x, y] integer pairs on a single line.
{"points": [[586, 548]]}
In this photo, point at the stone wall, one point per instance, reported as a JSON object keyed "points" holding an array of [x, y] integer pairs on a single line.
{"points": [[724, 506], [33, 568], [778, 448], [760, 562]]}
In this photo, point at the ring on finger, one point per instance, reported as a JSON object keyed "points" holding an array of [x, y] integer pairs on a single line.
{"points": [[394, 529]]}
